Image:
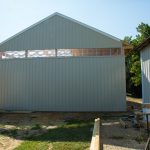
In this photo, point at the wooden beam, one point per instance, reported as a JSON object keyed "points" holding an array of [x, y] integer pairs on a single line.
{"points": [[96, 143]]}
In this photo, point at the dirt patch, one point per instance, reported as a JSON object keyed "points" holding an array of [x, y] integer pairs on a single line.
{"points": [[7, 143], [115, 137]]}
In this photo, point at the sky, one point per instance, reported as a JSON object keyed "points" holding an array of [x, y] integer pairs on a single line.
{"points": [[116, 17]]}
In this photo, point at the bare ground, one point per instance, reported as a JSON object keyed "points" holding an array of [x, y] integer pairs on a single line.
{"points": [[8, 143], [115, 137], [14, 127]]}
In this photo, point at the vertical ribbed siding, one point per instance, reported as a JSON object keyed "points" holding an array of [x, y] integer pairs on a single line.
{"points": [[63, 84], [61, 33], [145, 65]]}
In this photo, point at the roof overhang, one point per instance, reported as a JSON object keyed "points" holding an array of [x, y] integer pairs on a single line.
{"points": [[141, 46]]}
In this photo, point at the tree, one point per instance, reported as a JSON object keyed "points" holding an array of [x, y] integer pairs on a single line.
{"points": [[133, 67]]}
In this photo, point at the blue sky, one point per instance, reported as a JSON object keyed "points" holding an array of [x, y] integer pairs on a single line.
{"points": [[116, 17]]}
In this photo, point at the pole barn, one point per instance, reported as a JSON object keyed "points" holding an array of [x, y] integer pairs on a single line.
{"points": [[60, 64]]}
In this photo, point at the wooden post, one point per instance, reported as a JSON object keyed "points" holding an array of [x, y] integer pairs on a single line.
{"points": [[96, 140]]}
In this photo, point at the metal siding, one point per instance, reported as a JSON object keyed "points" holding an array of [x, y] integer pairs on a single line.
{"points": [[145, 65], [63, 84], [59, 32]]}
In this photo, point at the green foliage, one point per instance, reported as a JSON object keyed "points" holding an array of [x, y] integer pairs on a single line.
{"points": [[135, 70], [144, 32], [133, 67]]}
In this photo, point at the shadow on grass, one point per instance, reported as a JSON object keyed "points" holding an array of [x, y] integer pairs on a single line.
{"points": [[72, 131]]}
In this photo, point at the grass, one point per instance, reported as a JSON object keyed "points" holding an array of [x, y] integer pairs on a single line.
{"points": [[36, 127], [33, 145], [74, 135]]}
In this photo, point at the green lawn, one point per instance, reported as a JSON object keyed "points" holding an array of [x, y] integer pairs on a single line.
{"points": [[74, 135]]}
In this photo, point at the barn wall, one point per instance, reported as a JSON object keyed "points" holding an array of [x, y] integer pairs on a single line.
{"points": [[58, 33], [63, 84], [145, 65]]}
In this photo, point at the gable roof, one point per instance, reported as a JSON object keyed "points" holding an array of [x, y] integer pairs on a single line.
{"points": [[62, 16]]}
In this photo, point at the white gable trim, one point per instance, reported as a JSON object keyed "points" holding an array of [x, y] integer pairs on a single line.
{"points": [[71, 19], [90, 27], [35, 24]]}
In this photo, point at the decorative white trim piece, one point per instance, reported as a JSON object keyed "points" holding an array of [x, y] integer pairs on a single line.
{"points": [[71, 19]]}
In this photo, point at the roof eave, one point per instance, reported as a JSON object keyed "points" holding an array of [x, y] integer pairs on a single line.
{"points": [[141, 46]]}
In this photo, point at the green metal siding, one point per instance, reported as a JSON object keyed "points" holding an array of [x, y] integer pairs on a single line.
{"points": [[58, 32], [145, 65], [63, 84]]}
